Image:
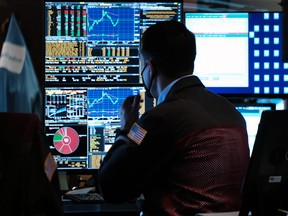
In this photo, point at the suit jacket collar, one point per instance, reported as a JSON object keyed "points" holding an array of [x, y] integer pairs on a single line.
{"points": [[187, 82]]}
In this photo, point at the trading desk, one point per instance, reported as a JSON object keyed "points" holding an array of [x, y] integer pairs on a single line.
{"points": [[103, 209]]}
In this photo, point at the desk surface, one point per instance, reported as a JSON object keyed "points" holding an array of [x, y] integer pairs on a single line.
{"points": [[73, 208]]}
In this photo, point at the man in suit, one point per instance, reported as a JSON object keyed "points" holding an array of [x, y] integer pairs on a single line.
{"points": [[188, 154]]}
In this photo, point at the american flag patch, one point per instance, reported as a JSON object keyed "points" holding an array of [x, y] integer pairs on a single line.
{"points": [[137, 133]]}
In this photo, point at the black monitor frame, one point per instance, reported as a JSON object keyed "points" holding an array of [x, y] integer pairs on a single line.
{"points": [[264, 191]]}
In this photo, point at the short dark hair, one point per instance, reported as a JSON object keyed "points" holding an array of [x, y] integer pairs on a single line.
{"points": [[171, 46]]}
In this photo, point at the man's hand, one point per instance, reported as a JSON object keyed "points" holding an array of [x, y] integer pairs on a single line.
{"points": [[129, 112]]}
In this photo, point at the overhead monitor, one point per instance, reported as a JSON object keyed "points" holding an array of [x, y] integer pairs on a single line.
{"points": [[239, 54], [252, 115], [91, 65], [97, 42]]}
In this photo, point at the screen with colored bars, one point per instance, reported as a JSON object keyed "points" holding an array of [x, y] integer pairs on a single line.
{"points": [[91, 65], [80, 122], [98, 42], [240, 53], [252, 115]]}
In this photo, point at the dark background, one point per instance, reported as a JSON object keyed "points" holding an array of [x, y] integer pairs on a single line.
{"points": [[30, 15]]}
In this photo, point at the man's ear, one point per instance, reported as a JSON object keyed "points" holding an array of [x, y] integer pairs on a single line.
{"points": [[152, 68]]}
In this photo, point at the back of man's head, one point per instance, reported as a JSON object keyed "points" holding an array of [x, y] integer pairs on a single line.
{"points": [[171, 46]]}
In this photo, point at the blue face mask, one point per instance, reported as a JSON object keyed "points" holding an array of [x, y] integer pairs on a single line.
{"points": [[147, 88]]}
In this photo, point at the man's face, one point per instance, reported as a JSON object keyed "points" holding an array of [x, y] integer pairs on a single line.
{"points": [[143, 67], [145, 75]]}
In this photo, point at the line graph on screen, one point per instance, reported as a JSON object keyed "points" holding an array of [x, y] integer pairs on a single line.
{"points": [[106, 102], [110, 24]]}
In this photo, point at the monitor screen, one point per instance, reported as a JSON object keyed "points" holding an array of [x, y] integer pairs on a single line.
{"points": [[97, 42], [239, 54], [91, 65], [252, 115], [80, 122]]}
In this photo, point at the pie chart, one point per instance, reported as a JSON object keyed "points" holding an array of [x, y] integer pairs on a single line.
{"points": [[66, 140]]}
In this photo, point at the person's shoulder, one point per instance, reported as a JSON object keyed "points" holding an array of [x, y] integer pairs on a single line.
{"points": [[158, 112]]}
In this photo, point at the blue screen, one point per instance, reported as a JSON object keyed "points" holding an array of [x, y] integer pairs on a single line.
{"points": [[252, 115], [240, 53], [97, 42]]}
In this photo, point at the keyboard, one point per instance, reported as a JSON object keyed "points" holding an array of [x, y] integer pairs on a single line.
{"points": [[85, 198]]}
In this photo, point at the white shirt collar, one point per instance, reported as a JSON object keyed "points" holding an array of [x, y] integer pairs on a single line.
{"points": [[165, 91]]}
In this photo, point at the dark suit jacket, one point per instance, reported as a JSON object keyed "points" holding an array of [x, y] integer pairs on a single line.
{"points": [[189, 154]]}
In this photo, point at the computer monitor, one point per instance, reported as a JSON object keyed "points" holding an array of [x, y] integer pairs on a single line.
{"points": [[91, 65], [80, 122], [239, 54], [97, 42], [252, 115], [266, 184]]}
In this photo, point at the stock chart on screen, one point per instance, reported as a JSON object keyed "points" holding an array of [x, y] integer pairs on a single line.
{"points": [[91, 66], [98, 42]]}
